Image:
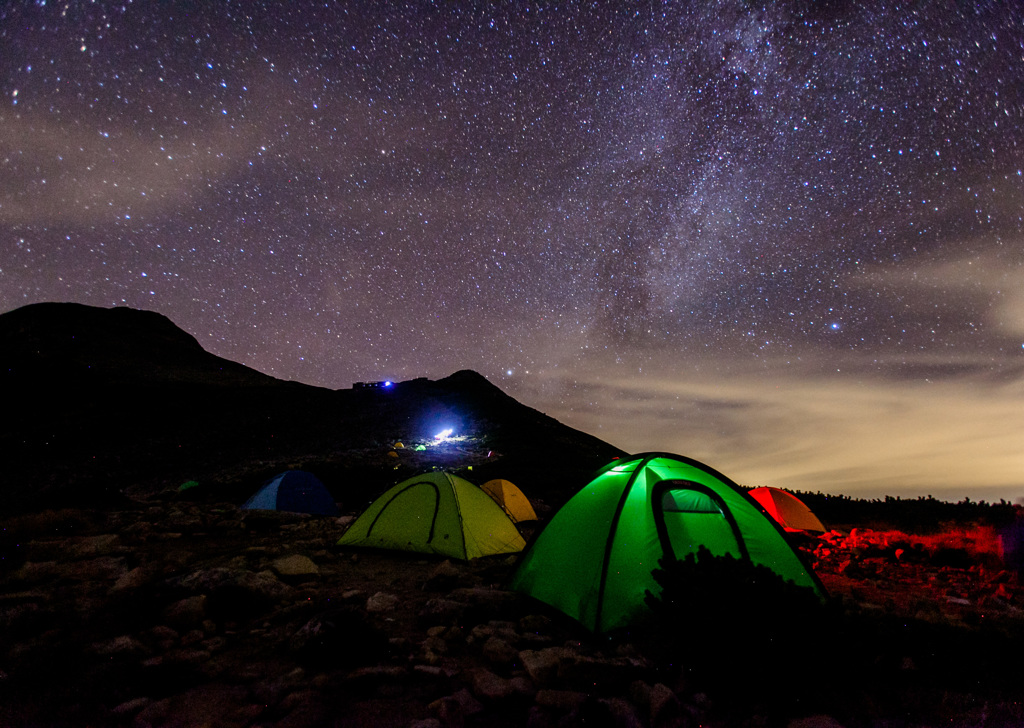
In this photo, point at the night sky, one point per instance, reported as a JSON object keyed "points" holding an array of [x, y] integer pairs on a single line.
{"points": [[786, 239]]}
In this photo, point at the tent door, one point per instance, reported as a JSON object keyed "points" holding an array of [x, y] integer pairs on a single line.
{"points": [[689, 515]]}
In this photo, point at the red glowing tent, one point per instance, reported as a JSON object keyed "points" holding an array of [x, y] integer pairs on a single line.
{"points": [[789, 511]]}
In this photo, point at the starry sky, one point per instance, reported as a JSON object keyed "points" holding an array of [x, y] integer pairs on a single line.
{"points": [[783, 238]]}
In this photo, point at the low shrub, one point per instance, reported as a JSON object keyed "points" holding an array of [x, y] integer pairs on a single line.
{"points": [[727, 623]]}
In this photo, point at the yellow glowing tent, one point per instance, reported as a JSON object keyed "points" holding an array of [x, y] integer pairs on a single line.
{"points": [[510, 498]]}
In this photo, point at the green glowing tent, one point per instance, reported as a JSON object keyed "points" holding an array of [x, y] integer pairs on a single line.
{"points": [[436, 513], [594, 559]]}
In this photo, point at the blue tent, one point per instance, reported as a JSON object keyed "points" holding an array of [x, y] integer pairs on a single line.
{"points": [[294, 490]]}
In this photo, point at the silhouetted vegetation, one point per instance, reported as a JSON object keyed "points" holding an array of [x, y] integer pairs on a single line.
{"points": [[925, 514], [757, 644], [729, 622]]}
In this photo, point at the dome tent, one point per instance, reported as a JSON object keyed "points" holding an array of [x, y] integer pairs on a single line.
{"points": [[789, 511], [594, 558], [511, 499], [435, 513], [296, 491]]}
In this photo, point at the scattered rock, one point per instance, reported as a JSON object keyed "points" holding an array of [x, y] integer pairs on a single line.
{"points": [[500, 653], [33, 572], [19, 615], [542, 665], [445, 577], [133, 580], [295, 567], [453, 710], [130, 707], [381, 602], [616, 712], [99, 569], [815, 721], [236, 592], [203, 705], [433, 648], [488, 603], [90, 546], [491, 687], [122, 646], [191, 658], [538, 717], [378, 673], [271, 690], [601, 672], [663, 707], [186, 613], [162, 636], [442, 611], [561, 701], [535, 623], [304, 708], [154, 714]]}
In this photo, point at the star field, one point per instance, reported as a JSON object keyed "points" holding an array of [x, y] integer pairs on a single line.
{"points": [[784, 238]]}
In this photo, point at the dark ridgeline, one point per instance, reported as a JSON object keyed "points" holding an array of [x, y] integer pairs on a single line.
{"points": [[106, 402]]}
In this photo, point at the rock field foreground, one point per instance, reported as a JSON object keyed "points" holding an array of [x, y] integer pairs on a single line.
{"points": [[174, 613]]}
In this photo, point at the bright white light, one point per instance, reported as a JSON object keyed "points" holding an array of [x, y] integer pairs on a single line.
{"points": [[443, 434]]}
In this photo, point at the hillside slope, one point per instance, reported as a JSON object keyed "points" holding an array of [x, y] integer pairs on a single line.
{"points": [[115, 401]]}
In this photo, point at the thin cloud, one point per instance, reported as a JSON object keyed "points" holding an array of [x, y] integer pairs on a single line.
{"points": [[828, 433]]}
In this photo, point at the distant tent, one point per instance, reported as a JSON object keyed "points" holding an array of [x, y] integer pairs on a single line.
{"points": [[511, 499], [789, 511], [296, 491], [435, 513], [594, 558]]}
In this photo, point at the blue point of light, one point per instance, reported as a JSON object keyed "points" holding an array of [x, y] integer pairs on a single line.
{"points": [[388, 383]]}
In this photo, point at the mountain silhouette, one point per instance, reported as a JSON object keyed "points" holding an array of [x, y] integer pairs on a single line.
{"points": [[106, 403]]}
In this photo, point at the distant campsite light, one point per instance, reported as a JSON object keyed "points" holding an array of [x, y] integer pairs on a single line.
{"points": [[374, 385], [443, 434]]}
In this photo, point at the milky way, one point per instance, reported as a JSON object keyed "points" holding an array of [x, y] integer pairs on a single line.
{"points": [[783, 238]]}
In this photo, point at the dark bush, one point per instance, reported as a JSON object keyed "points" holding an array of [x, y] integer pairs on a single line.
{"points": [[729, 623], [955, 558], [339, 637]]}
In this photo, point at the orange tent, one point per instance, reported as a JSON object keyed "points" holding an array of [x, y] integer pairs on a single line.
{"points": [[789, 511], [510, 498]]}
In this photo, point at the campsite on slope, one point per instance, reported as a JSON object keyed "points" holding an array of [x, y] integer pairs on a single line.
{"points": [[218, 559]]}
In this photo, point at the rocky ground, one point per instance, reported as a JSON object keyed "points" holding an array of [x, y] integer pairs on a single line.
{"points": [[166, 612]]}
